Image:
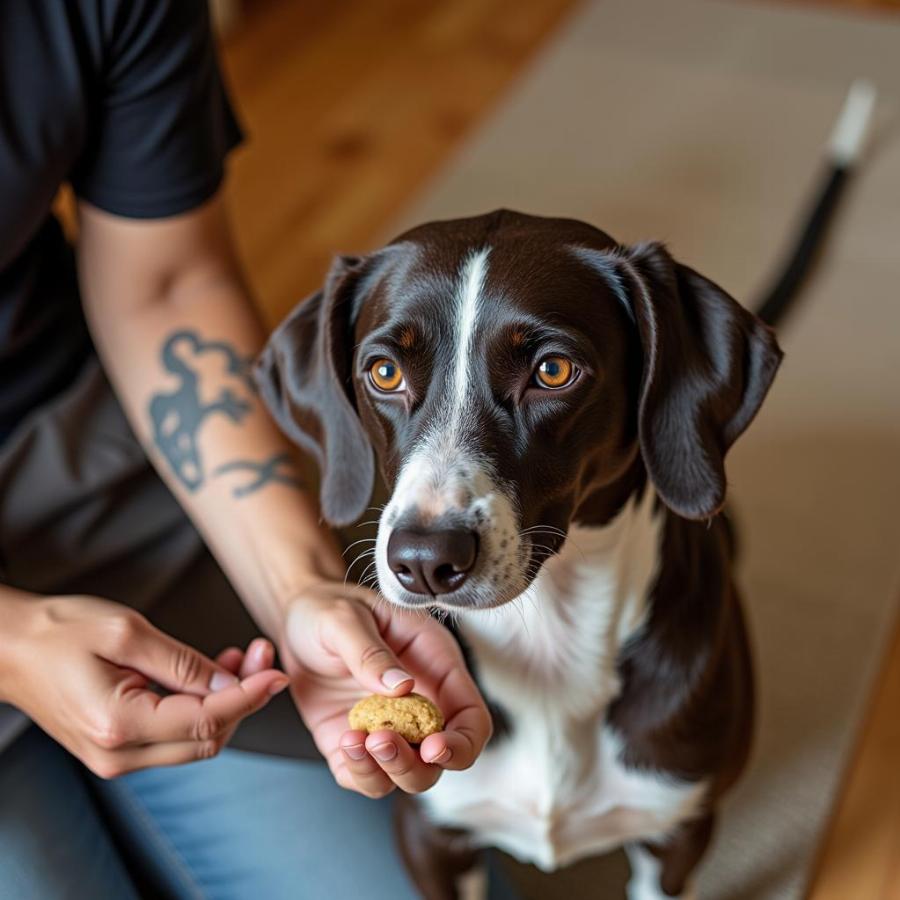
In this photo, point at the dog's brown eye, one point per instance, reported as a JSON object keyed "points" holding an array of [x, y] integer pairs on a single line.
{"points": [[386, 375], [554, 372]]}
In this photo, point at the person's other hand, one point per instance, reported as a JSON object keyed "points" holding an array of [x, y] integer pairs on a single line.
{"points": [[82, 669], [341, 647]]}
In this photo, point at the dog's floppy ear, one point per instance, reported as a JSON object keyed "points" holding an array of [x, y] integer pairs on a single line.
{"points": [[708, 364], [304, 377]]}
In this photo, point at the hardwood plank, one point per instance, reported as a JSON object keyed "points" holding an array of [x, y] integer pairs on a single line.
{"points": [[860, 855], [878, 7], [350, 107]]}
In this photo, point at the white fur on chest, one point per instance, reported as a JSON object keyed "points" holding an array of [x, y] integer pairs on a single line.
{"points": [[556, 790]]}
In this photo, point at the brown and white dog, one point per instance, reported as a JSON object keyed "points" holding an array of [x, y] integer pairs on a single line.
{"points": [[551, 411]]}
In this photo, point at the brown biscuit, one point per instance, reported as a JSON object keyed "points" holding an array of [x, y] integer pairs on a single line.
{"points": [[413, 717]]}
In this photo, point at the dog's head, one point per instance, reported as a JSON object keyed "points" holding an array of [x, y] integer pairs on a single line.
{"points": [[508, 370]]}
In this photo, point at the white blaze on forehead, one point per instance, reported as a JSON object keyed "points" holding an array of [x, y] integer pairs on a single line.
{"points": [[430, 479], [468, 304], [430, 484]]}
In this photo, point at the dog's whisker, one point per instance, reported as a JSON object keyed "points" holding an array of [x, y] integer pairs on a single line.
{"points": [[548, 528], [380, 600], [556, 532], [370, 571], [366, 555], [521, 612], [349, 547]]}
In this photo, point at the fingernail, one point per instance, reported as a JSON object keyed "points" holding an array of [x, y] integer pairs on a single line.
{"points": [[258, 650], [355, 751], [222, 680], [393, 678], [276, 687], [443, 757], [385, 752]]}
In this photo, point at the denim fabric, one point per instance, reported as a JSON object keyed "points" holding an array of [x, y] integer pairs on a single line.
{"points": [[53, 842], [239, 827]]}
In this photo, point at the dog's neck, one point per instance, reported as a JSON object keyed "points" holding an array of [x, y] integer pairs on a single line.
{"points": [[557, 644]]}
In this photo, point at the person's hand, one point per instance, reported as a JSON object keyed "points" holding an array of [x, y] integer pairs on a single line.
{"points": [[341, 647], [82, 669]]}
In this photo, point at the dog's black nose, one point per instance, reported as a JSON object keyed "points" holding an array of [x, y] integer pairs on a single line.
{"points": [[432, 562]]}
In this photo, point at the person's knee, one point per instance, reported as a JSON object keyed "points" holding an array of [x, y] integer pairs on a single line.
{"points": [[52, 837], [251, 825]]}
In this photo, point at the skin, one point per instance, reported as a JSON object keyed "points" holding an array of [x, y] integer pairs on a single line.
{"points": [[103, 711], [142, 282]]}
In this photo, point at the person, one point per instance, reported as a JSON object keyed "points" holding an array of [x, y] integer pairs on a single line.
{"points": [[137, 344]]}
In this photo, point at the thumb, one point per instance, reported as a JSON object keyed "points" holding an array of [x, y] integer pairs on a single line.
{"points": [[170, 663], [352, 634]]}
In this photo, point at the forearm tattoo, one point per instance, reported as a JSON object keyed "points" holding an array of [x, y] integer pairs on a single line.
{"points": [[275, 470], [177, 416]]}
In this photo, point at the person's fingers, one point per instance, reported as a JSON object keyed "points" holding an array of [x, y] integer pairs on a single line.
{"points": [[133, 643], [437, 749], [145, 717], [351, 633], [467, 730], [468, 723], [260, 656], [451, 749], [400, 762], [231, 658], [344, 778], [366, 776], [172, 753]]}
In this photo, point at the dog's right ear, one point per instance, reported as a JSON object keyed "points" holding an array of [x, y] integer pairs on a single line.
{"points": [[304, 377]]}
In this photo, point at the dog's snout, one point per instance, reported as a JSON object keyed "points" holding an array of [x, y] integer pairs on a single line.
{"points": [[432, 562]]}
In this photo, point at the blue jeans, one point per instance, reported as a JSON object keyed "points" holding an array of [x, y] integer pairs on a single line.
{"points": [[238, 827]]}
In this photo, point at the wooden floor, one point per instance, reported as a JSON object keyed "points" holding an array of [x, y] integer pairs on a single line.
{"points": [[860, 855], [351, 105]]}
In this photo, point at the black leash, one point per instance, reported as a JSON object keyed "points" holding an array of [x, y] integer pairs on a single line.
{"points": [[845, 149]]}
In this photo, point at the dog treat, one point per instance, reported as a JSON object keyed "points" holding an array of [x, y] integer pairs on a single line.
{"points": [[413, 717]]}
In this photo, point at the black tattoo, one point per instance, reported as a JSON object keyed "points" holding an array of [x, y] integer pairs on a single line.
{"points": [[266, 472], [178, 415]]}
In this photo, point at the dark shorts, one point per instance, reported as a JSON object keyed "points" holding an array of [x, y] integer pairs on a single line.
{"points": [[82, 511]]}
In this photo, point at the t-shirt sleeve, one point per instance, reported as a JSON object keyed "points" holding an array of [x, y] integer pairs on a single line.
{"points": [[160, 123]]}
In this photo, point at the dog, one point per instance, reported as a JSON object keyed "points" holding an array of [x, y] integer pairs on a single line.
{"points": [[551, 411]]}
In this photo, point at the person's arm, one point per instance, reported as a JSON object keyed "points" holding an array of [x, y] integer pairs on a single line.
{"points": [[176, 332]]}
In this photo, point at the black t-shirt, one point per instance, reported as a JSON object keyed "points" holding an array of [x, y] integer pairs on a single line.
{"points": [[123, 99]]}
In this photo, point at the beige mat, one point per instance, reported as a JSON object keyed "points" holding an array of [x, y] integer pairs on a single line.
{"points": [[702, 123]]}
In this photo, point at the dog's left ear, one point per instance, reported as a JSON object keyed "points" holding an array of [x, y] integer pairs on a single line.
{"points": [[708, 364], [304, 377]]}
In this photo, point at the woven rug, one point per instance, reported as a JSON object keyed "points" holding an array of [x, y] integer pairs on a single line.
{"points": [[702, 123]]}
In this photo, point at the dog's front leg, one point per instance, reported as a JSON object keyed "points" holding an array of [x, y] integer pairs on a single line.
{"points": [[441, 861], [662, 871]]}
